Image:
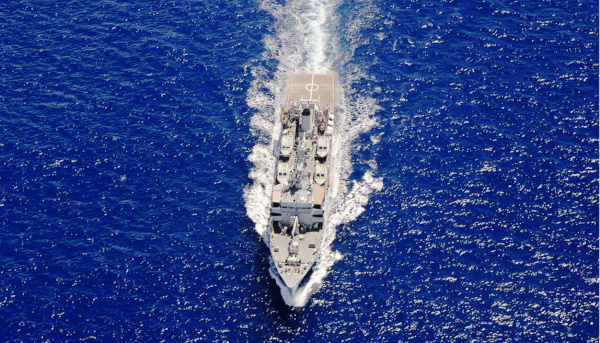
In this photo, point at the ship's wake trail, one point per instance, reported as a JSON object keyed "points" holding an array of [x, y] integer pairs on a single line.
{"points": [[304, 41]]}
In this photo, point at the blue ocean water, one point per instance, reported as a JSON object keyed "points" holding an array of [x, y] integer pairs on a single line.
{"points": [[134, 152]]}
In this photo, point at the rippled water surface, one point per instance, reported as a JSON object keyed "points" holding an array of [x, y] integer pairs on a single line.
{"points": [[135, 142]]}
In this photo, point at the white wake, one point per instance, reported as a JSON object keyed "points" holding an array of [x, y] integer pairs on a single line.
{"points": [[304, 41]]}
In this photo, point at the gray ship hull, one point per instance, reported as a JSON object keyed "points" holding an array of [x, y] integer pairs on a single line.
{"points": [[300, 198]]}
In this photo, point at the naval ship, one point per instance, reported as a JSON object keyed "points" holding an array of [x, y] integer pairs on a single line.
{"points": [[300, 200]]}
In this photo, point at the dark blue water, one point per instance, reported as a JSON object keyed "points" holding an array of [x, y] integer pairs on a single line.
{"points": [[133, 136]]}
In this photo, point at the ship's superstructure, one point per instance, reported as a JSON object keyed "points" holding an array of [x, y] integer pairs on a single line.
{"points": [[300, 202]]}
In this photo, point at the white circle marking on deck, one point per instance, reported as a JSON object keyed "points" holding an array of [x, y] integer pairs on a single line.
{"points": [[312, 87]]}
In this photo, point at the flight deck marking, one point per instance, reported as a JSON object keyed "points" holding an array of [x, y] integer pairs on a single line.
{"points": [[311, 87], [312, 82]]}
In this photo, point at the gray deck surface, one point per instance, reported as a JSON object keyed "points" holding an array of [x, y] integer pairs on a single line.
{"points": [[312, 87], [293, 274]]}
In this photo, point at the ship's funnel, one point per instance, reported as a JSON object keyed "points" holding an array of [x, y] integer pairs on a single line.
{"points": [[307, 120]]}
